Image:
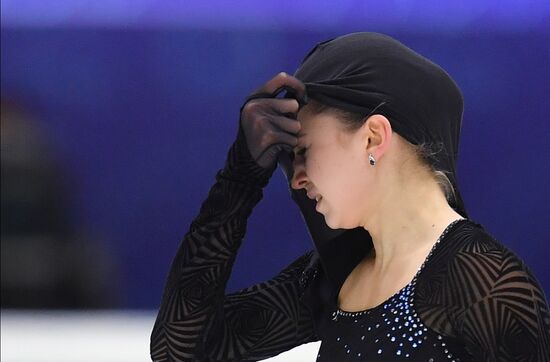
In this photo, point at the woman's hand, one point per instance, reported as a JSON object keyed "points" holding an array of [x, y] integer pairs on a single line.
{"points": [[269, 123]]}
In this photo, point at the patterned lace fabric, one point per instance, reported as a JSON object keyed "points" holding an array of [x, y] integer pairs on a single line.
{"points": [[196, 320], [472, 299]]}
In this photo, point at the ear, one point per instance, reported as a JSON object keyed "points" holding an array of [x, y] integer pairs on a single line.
{"points": [[376, 135]]}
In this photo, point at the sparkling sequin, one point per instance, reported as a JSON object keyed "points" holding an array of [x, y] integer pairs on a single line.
{"points": [[401, 323]]}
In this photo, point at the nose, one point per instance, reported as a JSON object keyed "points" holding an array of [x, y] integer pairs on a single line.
{"points": [[299, 178]]}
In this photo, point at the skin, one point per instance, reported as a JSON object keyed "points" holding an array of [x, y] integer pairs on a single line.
{"points": [[397, 201]]}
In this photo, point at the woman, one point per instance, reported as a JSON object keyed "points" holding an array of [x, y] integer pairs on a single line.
{"points": [[398, 272]]}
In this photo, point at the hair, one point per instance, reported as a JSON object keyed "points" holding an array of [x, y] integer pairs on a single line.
{"points": [[425, 152]]}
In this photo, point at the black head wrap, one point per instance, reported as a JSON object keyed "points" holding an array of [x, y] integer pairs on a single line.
{"points": [[359, 72], [365, 72]]}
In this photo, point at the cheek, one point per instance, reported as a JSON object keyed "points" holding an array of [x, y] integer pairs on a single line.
{"points": [[337, 175], [315, 166], [328, 173], [349, 182]]}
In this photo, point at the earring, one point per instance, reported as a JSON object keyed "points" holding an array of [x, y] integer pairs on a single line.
{"points": [[371, 159]]}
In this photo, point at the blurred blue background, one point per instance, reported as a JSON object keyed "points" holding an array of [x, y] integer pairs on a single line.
{"points": [[116, 115]]}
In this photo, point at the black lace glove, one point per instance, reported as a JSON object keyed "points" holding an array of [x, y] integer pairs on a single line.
{"points": [[268, 123]]}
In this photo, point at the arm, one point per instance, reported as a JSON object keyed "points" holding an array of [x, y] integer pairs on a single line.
{"points": [[196, 321], [510, 321]]}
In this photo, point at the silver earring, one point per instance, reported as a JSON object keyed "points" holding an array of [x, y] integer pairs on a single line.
{"points": [[371, 159]]}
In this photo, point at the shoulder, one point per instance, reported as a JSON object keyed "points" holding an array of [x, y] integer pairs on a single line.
{"points": [[472, 264], [477, 288], [493, 301], [483, 258], [470, 246]]}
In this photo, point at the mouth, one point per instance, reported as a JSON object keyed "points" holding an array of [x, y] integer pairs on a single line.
{"points": [[317, 205], [317, 198]]}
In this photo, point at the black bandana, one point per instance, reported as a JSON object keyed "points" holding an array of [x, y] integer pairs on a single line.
{"points": [[365, 72]]}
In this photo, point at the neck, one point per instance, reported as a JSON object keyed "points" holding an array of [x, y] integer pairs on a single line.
{"points": [[408, 223]]}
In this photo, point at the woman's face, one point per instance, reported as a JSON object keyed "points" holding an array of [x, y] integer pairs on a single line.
{"points": [[334, 165]]}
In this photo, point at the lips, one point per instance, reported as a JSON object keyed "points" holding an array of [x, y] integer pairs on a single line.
{"points": [[314, 197], [317, 205]]}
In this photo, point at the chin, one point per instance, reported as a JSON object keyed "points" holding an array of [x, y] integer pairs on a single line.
{"points": [[339, 225], [329, 224]]}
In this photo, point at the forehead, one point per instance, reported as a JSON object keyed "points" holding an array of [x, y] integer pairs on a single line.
{"points": [[314, 123]]}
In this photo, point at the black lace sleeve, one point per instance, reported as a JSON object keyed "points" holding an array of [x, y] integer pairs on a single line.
{"points": [[196, 320], [506, 316]]}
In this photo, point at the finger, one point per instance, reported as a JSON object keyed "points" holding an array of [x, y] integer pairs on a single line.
{"points": [[286, 124], [290, 94], [281, 80], [266, 109], [281, 105], [271, 154], [272, 107], [277, 136]]}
